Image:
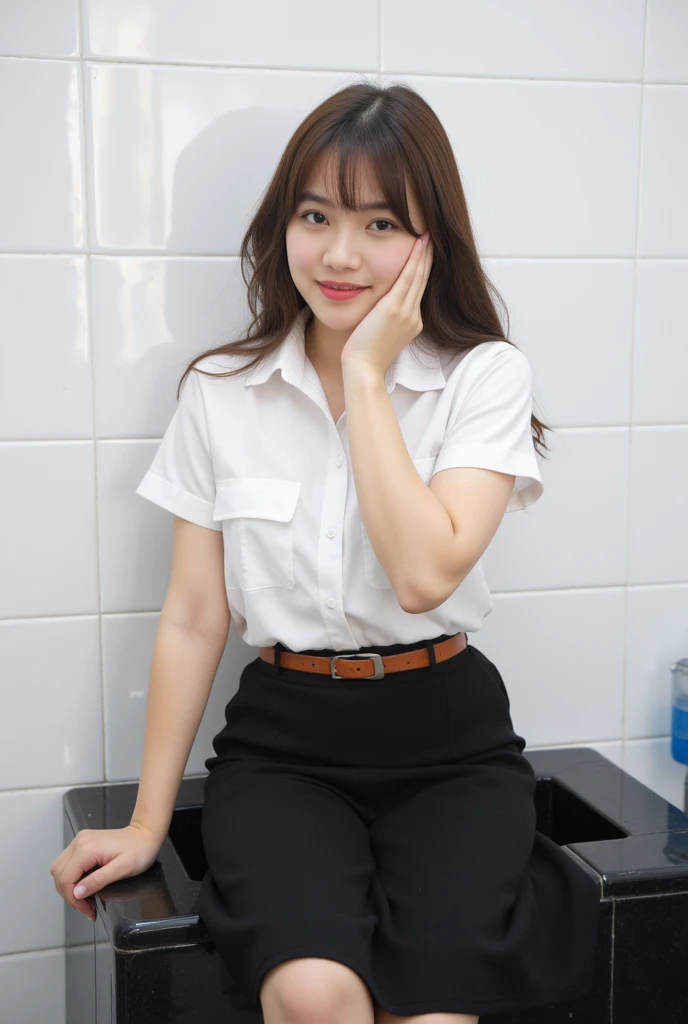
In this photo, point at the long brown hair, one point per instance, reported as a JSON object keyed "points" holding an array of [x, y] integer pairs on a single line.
{"points": [[396, 132]]}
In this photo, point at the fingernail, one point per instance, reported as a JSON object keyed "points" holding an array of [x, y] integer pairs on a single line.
{"points": [[424, 239], [79, 891]]}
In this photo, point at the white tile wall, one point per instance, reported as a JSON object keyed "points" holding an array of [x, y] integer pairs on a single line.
{"points": [[137, 138]]}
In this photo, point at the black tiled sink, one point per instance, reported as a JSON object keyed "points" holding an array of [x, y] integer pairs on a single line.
{"points": [[149, 960]]}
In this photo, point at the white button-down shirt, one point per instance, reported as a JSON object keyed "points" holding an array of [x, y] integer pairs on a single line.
{"points": [[260, 457]]}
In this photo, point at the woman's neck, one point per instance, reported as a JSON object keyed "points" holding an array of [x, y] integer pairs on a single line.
{"points": [[324, 349]]}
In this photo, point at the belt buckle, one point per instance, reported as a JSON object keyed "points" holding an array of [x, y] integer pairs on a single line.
{"points": [[377, 661]]}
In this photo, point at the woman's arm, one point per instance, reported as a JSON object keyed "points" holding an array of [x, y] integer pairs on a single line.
{"points": [[182, 672], [409, 528], [191, 637], [428, 537]]}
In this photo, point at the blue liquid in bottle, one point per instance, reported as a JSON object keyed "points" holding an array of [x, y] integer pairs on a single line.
{"points": [[679, 729]]}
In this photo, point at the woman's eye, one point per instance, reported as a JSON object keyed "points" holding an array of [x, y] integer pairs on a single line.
{"points": [[378, 220]]}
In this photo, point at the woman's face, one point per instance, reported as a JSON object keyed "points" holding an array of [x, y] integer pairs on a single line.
{"points": [[368, 248]]}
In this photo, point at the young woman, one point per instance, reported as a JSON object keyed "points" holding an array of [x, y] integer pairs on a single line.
{"points": [[368, 817]]}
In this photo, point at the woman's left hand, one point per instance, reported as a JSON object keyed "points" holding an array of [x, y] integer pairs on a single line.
{"points": [[395, 319]]}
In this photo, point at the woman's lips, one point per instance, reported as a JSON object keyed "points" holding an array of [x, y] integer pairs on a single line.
{"points": [[339, 293]]}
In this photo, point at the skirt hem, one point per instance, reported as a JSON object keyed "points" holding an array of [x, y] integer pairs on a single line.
{"points": [[450, 1003]]}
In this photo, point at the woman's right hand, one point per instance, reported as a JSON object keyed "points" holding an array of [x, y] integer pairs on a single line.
{"points": [[117, 852]]}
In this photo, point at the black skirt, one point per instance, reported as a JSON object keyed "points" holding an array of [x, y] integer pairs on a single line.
{"points": [[390, 825]]}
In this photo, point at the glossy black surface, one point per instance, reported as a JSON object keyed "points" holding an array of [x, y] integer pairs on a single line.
{"points": [[657, 965], [148, 958]]}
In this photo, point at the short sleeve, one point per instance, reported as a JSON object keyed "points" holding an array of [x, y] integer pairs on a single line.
{"points": [[491, 428], [181, 477]]}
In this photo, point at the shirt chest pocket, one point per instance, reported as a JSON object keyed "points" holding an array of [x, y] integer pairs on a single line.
{"points": [[257, 515], [374, 573]]}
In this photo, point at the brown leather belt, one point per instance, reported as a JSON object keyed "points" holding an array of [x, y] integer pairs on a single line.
{"points": [[369, 665]]}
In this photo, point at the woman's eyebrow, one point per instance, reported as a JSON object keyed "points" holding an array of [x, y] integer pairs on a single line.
{"points": [[378, 204]]}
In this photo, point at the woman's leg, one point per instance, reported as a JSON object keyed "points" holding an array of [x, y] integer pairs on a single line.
{"points": [[314, 990]]}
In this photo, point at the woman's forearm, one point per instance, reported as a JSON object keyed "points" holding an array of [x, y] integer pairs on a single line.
{"points": [[183, 668], [408, 526]]}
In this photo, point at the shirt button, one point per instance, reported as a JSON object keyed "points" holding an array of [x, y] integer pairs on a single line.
{"points": [[331, 602], [331, 532], [340, 460]]}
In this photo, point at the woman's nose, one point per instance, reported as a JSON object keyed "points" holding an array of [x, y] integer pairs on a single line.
{"points": [[342, 251], [340, 260]]}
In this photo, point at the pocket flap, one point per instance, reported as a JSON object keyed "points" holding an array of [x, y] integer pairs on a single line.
{"points": [[256, 497]]}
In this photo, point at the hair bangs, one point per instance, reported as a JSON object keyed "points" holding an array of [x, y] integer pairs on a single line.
{"points": [[366, 155]]}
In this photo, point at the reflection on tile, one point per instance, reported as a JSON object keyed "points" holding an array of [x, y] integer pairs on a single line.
{"points": [[184, 185]]}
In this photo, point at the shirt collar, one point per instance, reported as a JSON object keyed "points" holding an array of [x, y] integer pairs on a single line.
{"points": [[418, 370]]}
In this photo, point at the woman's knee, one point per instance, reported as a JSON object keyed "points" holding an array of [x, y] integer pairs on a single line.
{"points": [[309, 990]]}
